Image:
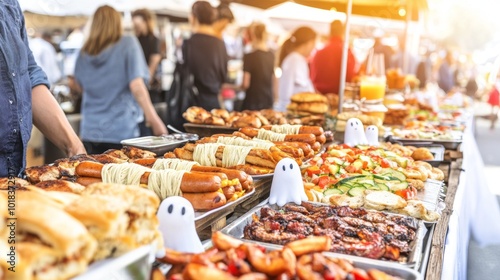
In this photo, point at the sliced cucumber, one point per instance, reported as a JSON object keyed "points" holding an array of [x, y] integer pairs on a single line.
{"points": [[394, 174], [331, 191], [344, 188], [364, 172], [397, 186], [382, 187], [357, 191], [381, 178], [345, 180], [372, 187], [334, 169]]}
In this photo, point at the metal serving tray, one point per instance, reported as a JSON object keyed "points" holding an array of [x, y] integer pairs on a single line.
{"points": [[393, 269], [448, 144], [205, 130], [160, 144], [237, 227], [134, 265]]}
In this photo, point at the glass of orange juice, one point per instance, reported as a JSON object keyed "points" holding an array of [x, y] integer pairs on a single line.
{"points": [[372, 87]]}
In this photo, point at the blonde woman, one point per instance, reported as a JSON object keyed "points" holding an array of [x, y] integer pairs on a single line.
{"points": [[259, 81], [113, 74]]}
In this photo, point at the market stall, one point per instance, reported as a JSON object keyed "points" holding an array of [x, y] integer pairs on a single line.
{"points": [[401, 205]]}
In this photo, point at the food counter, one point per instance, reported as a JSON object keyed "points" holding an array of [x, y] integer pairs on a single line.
{"points": [[224, 178]]}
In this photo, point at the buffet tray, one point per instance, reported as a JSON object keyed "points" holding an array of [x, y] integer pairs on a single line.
{"points": [[134, 265], [447, 144], [393, 269], [160, 144], [205, 130], [236, 229]]}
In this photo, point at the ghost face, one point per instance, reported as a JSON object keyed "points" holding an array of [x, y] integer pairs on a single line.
{"points": [[372, 135], [176, 218], [176, 211], [354, 133], [287, 183]]}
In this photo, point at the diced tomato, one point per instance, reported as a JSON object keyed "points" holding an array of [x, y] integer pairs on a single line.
{"points": [[350, 158], [261, 248], [324, 169], [351, 169], [408, 193], [176, 277], [233, 269], [359, 274], [323, 181], [365, 164], [384, 163], [344, 146], [313, 170], [327, 275], [241, 254]]}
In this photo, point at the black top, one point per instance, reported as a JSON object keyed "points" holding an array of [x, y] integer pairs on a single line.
{"points": [[207, 59], [150, 45], [260, 65]]}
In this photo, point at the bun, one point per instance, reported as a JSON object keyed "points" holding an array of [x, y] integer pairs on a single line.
{"points": [[304, 97], [422, 154]]}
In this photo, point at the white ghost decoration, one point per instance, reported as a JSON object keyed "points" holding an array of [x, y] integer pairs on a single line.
{"points": [[176, 218], [372, 135], [354, 133], [287, 185]]}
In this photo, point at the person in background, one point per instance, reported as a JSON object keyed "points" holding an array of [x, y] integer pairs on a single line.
{"points": [[25, 98], [206, 56], [494, 101], [399, 56], [380, 48], [293, 60], [325, 66], [113, 74], [259, 81], [424, 70], [446, 78], [224, 18], [144, 30], [46, 57]]}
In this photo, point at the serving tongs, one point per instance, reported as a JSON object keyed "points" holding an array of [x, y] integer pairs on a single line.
{"points": [[179, 135]]}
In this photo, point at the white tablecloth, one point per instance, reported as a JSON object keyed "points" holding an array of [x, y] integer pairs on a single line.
{"points": [[475, 212]]}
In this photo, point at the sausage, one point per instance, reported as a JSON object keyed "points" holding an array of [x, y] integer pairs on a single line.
{"points": [[229, 192], [306, 138], [85, 181], [89, 169], [304, 129], [148, 162], [231, 174], [194, 182], [205, 201], [199, 271], [191, 182], [310, 245]]}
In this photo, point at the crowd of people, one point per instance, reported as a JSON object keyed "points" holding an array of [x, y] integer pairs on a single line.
{"points": [[119, 75]]}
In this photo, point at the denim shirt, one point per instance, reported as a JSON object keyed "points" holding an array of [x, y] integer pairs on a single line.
{"points": [[18, 75]]}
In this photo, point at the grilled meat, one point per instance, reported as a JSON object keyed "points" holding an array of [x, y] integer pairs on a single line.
{"points": [[357, 232]]}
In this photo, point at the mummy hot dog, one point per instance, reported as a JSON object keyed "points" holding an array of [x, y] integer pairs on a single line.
{"points": [[287, 185], [176, 218]]}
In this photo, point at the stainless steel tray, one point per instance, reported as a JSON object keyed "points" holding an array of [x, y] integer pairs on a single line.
{"points": [[205, 130], [236, 230], [448, 144], [393, 269], [160, 144], [134, 265]]}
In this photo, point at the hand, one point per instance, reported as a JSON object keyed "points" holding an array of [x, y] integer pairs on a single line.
{"points": [[76, 149], [157, 126]]}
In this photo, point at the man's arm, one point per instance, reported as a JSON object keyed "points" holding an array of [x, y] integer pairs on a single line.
{"points": [[154, 61], [49, 118]]}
